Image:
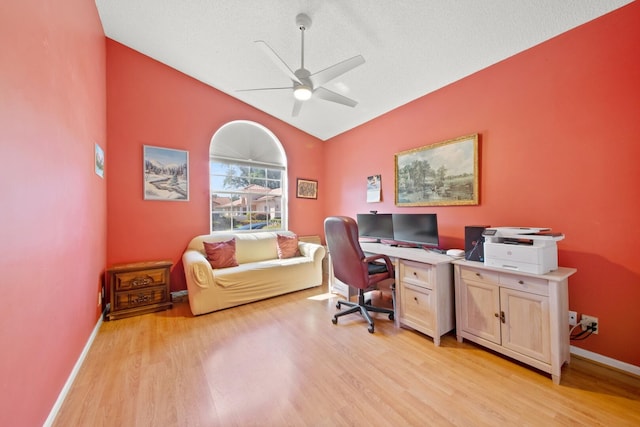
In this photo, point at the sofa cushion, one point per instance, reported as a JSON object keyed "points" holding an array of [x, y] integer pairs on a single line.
{"points": [[255, 275], [258, 246], [287, 246], [221, 254]]}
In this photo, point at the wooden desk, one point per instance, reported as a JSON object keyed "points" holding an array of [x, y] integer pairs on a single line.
{"points": [[424, 288]]}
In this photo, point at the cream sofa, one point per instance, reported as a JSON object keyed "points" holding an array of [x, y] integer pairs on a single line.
{"points": [[259, 274]]}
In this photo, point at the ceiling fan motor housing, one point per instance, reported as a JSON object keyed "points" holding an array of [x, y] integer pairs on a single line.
{"points": [[303, 21]]}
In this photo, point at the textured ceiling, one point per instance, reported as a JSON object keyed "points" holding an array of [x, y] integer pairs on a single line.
{"points": [[411, 47]]}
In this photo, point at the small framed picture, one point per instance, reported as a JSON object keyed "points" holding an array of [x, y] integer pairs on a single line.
{"points": [[166, 174], [99, 161], [307, 189]]}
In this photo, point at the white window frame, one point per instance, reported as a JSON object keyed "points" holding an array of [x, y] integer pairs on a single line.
{"points": [[247, 144]]}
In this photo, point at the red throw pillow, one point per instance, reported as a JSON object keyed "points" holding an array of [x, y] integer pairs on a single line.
{"points": [[287, 246], [221, 254]]}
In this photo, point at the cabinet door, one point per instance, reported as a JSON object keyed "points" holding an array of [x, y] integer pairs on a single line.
{"points": [[480, 308], [526, 328]]}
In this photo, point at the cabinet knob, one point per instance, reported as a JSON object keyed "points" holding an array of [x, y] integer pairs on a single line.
{"points": [[521, 282], [501, 316]]}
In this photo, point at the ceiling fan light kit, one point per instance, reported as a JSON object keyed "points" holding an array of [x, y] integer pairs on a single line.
{"points": [[304, 84], [302, 93]]}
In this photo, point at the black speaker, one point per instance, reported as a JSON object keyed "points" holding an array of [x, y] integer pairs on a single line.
{"points": [[474, 242]]}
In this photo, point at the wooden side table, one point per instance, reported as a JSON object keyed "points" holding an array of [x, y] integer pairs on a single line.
{"points": [[139, 288]]}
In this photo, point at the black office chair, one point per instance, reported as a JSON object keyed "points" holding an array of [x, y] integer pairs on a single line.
{"points": [[353, 268]]}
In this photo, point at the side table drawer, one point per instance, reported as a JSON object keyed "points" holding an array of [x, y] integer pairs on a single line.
{"points": [[140, 279], [147, 296]]}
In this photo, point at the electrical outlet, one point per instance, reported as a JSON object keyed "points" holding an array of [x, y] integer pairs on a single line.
{"points": [[587, 320], [99, 298], [573, 318]]}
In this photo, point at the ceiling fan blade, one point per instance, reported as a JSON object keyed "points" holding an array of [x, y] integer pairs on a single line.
{"points": [[328, 95], [264, 88], [277, 60], [297, 106], [328, 74]]}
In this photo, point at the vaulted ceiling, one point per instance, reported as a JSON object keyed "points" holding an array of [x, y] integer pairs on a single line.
{"points": [[410, 47]]}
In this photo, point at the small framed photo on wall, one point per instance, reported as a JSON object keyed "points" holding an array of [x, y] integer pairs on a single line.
{"points": [[99, 161], [307, 189]]}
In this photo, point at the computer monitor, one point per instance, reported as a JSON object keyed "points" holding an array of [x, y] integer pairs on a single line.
{"points": [[375, 226], [420, 229]]}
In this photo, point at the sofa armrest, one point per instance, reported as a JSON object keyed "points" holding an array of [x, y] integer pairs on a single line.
{"points": [[197, 269], [312, 250]]}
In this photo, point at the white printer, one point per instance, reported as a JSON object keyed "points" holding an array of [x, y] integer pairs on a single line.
{"points": [[526, 249]]}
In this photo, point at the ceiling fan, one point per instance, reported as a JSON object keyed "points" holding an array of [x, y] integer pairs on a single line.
{"points": [[305, 85]]}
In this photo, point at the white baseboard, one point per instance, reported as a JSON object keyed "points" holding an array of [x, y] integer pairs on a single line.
{"points": [[604, 360], [67, 386]]}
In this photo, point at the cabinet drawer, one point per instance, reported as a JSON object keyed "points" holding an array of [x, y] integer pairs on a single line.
{"points": [[526, 284], [141, 297], [140, 279], [489, 277], [416, 274]]}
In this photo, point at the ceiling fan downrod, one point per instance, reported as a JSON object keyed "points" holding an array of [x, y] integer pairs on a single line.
{"points": [[303, 21]]}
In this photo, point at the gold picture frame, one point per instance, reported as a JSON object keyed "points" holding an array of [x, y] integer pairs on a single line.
{"points": [[441, 174], [307, 189]]}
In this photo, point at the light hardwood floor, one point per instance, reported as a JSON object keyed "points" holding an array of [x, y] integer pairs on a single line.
{"points": [[281, 362]]}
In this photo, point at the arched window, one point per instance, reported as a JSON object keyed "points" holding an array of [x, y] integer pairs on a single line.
{"points": [[247, 178]]}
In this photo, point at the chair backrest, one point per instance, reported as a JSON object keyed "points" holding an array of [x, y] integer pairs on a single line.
{"points": [[347, 257]]}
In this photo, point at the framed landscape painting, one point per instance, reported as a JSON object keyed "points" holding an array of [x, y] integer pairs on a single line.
{"points": [[441, 174], [166, 174]]}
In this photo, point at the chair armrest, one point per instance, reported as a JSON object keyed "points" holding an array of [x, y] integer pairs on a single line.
{"points": [[197, 269], [383, 257], [312, 250]]}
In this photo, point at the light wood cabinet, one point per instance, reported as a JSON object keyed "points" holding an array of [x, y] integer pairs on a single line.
{"points": [[523, 316], [425, 295]]}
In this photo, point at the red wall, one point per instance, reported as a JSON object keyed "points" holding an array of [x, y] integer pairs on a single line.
{"points": [[151, 104], [558, 127], [559, 131], [53, 205]]}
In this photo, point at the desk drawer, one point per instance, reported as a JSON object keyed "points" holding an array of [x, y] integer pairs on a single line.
{"points": [[417, 306], [415, 273]]}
